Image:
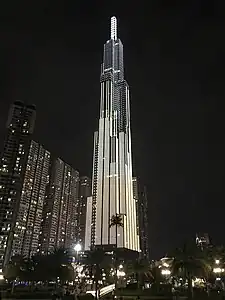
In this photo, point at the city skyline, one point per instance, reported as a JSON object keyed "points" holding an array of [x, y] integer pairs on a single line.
{"points": [[48, 199], [112, 190], [174, 64]]}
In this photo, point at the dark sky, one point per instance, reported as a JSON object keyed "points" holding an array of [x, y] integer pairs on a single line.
{"points": [[50, 55]]}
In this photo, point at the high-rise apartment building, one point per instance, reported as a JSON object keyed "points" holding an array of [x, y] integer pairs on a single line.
{"points": [[29, 214], [19, 129], [112, 191], [140, 196], [38, 193], [143, 222], [60, 214], [136, 198], [84, 193]]}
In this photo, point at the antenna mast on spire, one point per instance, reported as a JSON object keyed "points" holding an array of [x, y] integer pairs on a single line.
{"points": [[113, 28]]}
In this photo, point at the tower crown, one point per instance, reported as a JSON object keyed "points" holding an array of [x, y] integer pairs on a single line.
{"points": [[113, 28]]}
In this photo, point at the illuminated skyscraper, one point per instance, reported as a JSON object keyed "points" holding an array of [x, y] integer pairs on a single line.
{"points": [[142, 205], [140, 196], [84, 193], [13, 165], [30, 180], [60, 214], [29, 214], [112, 190]]}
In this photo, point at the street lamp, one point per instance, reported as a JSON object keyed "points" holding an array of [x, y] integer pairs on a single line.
{"points": [[120, 273], [166, 272], [77, 248], [218, 270]]}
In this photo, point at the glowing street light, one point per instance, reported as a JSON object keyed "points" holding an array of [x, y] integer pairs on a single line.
{"points": [[120, 273], [166, 265], [218, 270], [165, 272], [217, 261], [77, 248]]}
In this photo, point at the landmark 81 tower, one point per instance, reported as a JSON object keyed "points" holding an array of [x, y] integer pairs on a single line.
{"points": [[112, 191]]}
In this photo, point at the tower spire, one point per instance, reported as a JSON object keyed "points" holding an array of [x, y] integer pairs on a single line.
{"points": [[113, 28]]}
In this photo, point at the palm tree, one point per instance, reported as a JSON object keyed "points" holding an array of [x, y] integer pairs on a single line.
{"points": [[213, 253], [188, 263], [56, 264], [59, 263], [40, 263], [60, 255], [27, 270], [13, 270], [94, 264], [117, 221], [141, 269], [156, 276]]}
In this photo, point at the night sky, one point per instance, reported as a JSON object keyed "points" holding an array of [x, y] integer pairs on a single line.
{"points": [[50, 55]]}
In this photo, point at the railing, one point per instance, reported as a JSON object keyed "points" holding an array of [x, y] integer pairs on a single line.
{"points": [[103, 291]]}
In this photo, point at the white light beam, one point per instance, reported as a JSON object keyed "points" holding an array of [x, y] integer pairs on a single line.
{"points": [[113, 28]]}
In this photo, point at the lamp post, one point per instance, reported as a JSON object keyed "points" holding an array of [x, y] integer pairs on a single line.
{"points": [[77, 249], [217, 267], [218, 270], [166, 273]]}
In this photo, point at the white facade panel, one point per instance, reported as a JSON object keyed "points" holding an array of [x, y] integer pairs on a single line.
{"points": [[87, 244], [122, 178], [98, 225], [105, 200], [112, 202]]}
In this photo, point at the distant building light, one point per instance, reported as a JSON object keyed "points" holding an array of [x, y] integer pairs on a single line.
{"points": [[217, 261], [218, 270], [165, 272]]}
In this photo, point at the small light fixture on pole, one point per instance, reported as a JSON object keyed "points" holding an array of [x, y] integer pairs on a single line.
{"points": [[77, 248], [217, 261], [165, 272]]}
